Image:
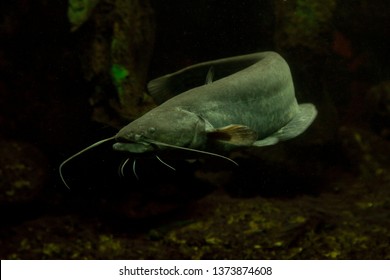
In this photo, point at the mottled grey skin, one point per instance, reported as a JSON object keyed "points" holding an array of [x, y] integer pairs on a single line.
{"points": [[255, 91]]}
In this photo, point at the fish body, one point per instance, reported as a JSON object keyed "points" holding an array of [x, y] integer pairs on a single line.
{"points": [[248, 101]]}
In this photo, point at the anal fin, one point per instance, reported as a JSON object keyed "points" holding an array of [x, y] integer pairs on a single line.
{"points": [[305, 116]]}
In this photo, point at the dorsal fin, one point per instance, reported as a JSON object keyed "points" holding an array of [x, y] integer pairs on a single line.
{"points": [[210, 75], [161, 89]]}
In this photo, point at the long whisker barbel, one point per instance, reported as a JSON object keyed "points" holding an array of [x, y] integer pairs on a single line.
{"points": [[122, 167], [79, 153], [191, 150], [134, 171], [166, 164]]}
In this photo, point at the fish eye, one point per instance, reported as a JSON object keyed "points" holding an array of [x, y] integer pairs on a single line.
{"points": [[137, 137]]}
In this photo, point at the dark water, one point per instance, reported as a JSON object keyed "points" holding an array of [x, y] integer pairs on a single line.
{"points": [[322, 195]]}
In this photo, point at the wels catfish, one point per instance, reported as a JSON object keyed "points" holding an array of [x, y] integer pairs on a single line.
{"points": [[247, 100], [216, 106]]}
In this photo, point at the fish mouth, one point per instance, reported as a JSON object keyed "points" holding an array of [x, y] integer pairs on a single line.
{"points": [[133, 147]]}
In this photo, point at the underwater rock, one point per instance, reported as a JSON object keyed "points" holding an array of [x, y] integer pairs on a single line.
{"points": [[368, 153], [378, 109], [23, 171], [302, 23], [116, 47], [79, 11]]}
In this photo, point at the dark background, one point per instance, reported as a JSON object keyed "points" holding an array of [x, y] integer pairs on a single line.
{"points": [[324, 195]]}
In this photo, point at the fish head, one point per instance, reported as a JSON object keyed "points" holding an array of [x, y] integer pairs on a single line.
{"points": [[162, 129]]}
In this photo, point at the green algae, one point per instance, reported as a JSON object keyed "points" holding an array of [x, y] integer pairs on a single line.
{"points": [[119, 75]]}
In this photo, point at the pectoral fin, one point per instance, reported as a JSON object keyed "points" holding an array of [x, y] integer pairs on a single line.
{"points": [[301, 121], [234, 134]]}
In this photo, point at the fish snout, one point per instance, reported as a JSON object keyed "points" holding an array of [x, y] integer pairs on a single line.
{"points": [[133, 148], [132, 141], [125, 135]]}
